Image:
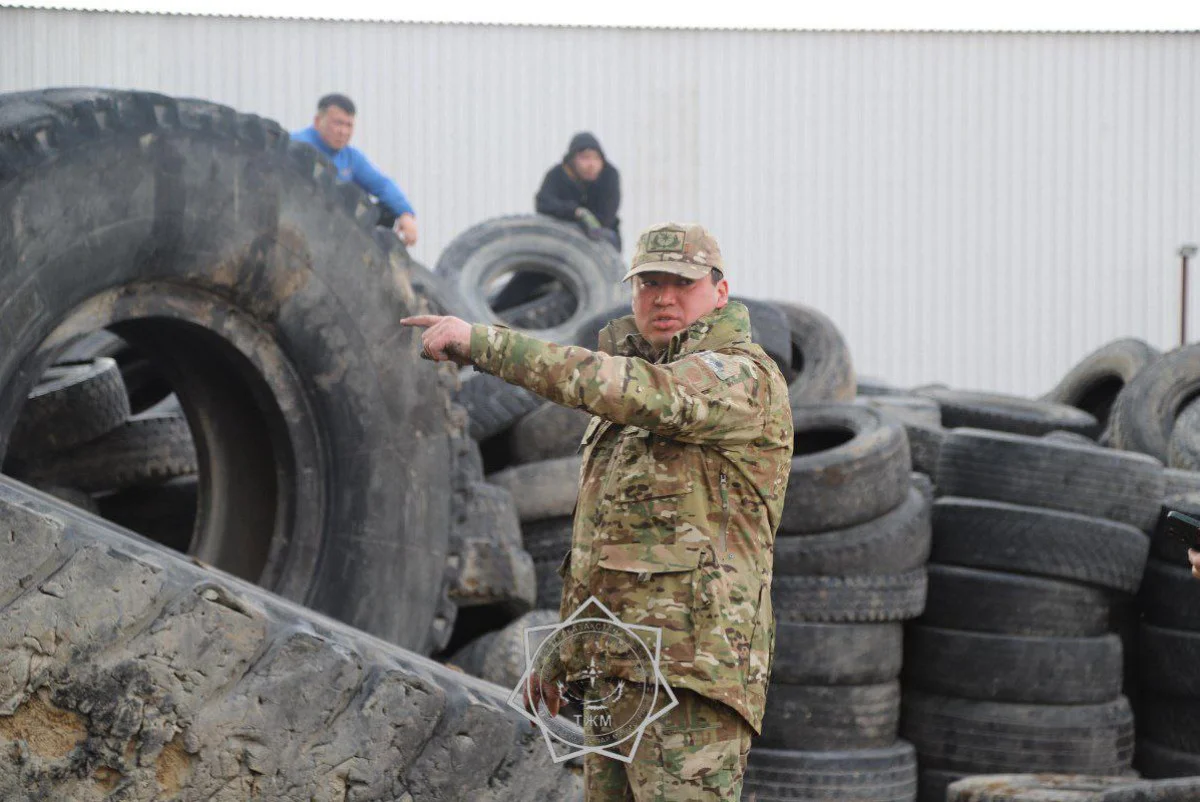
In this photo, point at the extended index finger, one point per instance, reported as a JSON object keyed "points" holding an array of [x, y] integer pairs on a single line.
{"points": [[421, 320]]}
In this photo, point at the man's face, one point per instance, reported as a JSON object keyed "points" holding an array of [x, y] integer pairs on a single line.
{"points": [[335, 127], [587, 164], [665, 304]]}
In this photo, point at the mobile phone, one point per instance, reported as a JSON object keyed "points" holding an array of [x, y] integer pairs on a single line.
{"points": [[1183, 528]]}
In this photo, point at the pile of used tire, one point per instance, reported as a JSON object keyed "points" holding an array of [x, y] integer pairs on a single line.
{"points": [[849, 570], [84, 436], [201, 341]]}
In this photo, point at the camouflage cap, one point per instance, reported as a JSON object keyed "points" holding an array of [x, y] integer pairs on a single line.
{"points": [[686, 249]]}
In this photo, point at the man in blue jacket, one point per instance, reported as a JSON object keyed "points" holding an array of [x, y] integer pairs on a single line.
{"points": [[330, 133]]}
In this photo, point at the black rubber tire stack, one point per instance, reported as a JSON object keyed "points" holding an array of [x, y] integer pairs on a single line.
{"points": [[1014, 666], [849, 569]]}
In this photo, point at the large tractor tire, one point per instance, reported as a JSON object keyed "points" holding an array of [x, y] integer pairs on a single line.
{"points": [[264, 294], [129, 672]]}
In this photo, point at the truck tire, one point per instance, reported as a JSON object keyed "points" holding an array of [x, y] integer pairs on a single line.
{"points": [[1000, 737], [532, 244], [1030, 540], [850, 464], [1036, 472], [1146, 409], [128, 665], [1008, 413], [1011, 604], [1096, 382], [222, 252], [820, 358], [887, 774], [70, 405]]}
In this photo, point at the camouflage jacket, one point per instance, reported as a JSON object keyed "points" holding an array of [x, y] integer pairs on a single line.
{"points": [[685, 465]]}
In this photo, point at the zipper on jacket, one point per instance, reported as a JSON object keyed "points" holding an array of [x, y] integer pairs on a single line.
{"points": [[724, 515]]}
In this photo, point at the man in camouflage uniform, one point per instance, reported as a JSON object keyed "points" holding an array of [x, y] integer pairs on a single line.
{"points": [[685, 465]]}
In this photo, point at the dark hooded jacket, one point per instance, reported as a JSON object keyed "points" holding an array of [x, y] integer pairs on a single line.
{"points": [[561, 194]]}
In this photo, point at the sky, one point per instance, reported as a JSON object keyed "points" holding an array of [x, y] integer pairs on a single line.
{"points": [[1055, 15]]}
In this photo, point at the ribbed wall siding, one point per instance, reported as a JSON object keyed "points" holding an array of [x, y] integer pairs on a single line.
{"points": [[975, 209]]}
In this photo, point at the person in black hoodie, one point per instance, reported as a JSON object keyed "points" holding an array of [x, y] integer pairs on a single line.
{"points": [[584, 188]]}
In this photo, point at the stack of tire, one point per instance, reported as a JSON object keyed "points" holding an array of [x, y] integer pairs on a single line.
{"points": [[1153, 413], [76, 439], [1013, 666], [848, 571]]}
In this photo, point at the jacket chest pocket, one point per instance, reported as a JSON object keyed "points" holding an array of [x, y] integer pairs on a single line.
{"points": [[651, 585], [646, 466]]}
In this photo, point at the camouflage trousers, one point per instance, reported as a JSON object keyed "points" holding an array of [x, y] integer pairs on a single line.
{"points": [[695, 752]]}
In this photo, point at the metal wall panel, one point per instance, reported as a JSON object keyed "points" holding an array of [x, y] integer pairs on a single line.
{"points": [[974, 209]]}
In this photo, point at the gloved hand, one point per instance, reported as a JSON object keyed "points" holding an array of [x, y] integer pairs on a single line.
{"points": [[591, 226]]}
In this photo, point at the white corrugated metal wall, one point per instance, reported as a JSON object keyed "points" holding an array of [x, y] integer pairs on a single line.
{"points": [[977, 209]]}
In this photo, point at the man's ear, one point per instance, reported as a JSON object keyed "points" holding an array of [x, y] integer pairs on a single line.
{"points": [[722, 292], [317, 120]]}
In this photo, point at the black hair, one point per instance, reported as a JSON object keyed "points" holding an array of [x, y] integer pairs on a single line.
{"points": [[716, 275], [341, 101]]}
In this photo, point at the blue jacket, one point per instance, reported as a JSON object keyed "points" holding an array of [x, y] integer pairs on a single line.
{"points": [[352, 165]]}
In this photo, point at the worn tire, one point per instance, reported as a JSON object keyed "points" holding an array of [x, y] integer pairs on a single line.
{"points": [[769, 328], [486, 564], [846, 599], [548, 539], [1041, 788], [1035, 472], [218, 249], [547, 489], [850, 464], [1007, 413], [1147, 407], [908, 409], [141, 451], [1012, 668], [1180, 482], [590, 271], [492, 404], [886, 774], [836, 654], [998, 737], [820, 358], [814, 717], [1029, 540], [548, 432], [1183, 448], [70, 405], [894, 543], [147, 671], [1010, 604]]}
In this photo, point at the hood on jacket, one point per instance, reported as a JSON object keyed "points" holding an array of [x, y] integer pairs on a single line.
{"points": [[583, 141]]}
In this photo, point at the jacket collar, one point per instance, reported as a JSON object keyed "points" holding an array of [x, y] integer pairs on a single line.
{"points": [[718, 329]]}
